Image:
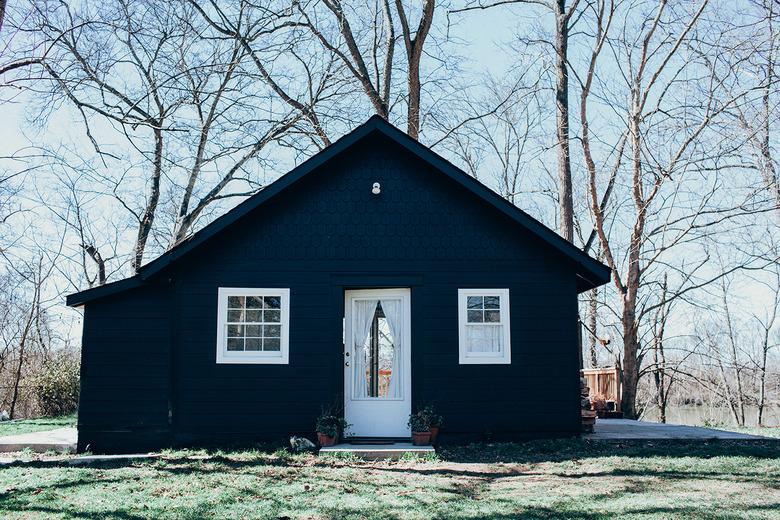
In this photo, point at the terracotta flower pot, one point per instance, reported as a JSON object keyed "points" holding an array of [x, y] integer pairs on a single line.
{"points": [[327, 440], [421, 438], [434, 434]]}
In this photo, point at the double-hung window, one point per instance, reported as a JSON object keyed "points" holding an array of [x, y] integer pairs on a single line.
{"points": [[483, 319], [253, 325]]}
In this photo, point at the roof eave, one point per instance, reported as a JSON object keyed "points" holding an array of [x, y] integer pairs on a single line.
{"points": [[80, 298]]}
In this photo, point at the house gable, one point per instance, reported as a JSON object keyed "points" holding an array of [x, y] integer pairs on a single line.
{"points": [[590, 273]]}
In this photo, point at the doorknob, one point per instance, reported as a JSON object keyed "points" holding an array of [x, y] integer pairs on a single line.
{"points": [[346, 364]]}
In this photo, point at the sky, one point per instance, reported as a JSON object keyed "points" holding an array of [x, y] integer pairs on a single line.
{"points": [[484, 37]]}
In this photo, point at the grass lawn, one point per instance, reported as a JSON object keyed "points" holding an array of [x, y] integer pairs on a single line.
{"points": [[575, 479], [36, 425]]}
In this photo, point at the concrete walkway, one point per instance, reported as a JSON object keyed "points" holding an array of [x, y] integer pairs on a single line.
{"points": [[62, 440], [626, 429]]}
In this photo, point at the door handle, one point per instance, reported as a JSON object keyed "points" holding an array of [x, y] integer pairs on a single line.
{"points": [[346, 364]]}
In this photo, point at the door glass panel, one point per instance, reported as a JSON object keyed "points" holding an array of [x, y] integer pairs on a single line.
{"points": [[378, 352]]}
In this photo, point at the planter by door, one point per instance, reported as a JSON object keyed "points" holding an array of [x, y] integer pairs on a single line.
{"points": [[377, 362]]}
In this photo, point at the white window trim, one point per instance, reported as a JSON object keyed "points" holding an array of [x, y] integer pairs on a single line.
{"points": [[252, 357], [483, 358]]}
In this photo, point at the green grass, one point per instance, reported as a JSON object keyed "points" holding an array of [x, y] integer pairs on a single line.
{"points": [[574, 479], [36, 425]]}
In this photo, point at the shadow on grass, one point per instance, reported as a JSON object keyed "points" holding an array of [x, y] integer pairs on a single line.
{"points": [[526, 452], [270, 497], [561, 450]]}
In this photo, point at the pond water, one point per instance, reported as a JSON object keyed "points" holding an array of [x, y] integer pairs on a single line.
{"points": [[712, 416]]}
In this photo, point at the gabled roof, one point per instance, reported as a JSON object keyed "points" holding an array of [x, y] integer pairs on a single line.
{"points": [[591, 272]]}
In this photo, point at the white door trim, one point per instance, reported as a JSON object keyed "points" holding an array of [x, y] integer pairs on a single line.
{"points": [[375, 416]]}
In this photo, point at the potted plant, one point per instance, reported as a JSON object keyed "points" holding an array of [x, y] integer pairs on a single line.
{"points": [[436, 421], [330, 426], [598, 404], [420, 424]]}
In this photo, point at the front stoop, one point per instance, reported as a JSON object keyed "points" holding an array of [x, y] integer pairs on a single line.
{"points": [[392, 451]]}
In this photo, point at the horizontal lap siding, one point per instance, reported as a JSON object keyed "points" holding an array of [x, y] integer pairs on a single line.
{"points": [[329, 233], [125, 372], [321, 236]]}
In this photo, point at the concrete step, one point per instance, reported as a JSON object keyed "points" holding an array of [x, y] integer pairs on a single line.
{"points": [[392, 451], [61, 440]]}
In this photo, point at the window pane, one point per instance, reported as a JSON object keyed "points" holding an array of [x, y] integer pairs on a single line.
{"points": [[492, 316], [254, 316], [273, 302], [272, 331], [272, 316], [475, 316], [254, 302], [253, 344], [235, 344], [492, 302], [254, 331], [235, 316], [235, 302], [484, 338], [235, 331], [272, 344], [474, 302]]}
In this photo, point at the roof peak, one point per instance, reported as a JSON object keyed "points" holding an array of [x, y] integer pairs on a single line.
{"points": [[592, 272]]}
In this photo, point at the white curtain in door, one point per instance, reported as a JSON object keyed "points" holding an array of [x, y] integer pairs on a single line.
{"points": [[394, 315], [362, 317]]}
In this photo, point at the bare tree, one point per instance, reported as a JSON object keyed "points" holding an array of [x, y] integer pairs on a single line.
{"points": [[563, 22], [756, 59], [196, 118], [767, 342], [414, 43], [662, 138], [368, 52]]}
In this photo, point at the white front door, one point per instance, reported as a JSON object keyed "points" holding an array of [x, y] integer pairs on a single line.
{"points": [[377, 362]]}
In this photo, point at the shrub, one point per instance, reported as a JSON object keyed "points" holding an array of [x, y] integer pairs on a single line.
{"points": [[419, 421], [433, 418], [598, 402], [331, 423], [56, 386]]}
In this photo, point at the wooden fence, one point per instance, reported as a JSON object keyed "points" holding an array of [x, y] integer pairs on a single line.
{"points": [[604, 381]]}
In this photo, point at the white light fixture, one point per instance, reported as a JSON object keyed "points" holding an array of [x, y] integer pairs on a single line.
{"points": [[376, 189]]}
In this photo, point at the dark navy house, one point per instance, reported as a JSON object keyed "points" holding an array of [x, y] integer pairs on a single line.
{"points": [[376, 275]]}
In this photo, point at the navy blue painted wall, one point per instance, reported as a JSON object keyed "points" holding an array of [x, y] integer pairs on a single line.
{"points": [[328, 233], [125, 371]]}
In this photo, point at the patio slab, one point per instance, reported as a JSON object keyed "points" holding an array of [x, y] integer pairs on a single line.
{"points": [[627, 429], [392, 451], [61, 440]]}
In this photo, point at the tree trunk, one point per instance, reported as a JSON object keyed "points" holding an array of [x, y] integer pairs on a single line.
{"points": [[566, 201], [147, 220], [413, 112], [628, 317], [22, 348], [740, 397], [659, 357], [593, 323], [414, 49], [762, 388], [96, 257], [630, 361]]}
